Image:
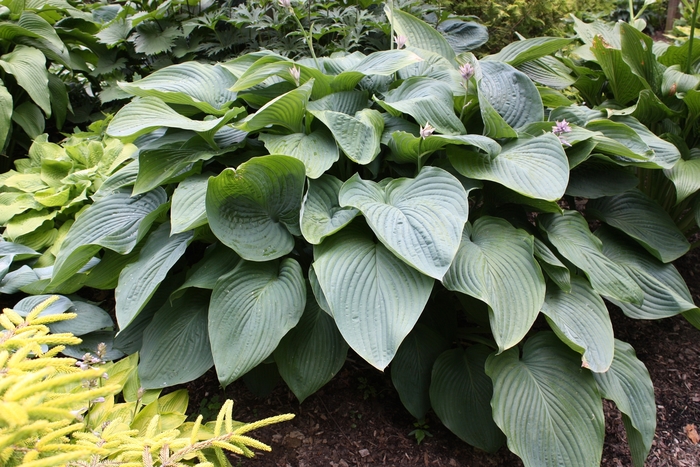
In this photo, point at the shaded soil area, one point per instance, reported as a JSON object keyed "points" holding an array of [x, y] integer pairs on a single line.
{"points": [[357, 419]]}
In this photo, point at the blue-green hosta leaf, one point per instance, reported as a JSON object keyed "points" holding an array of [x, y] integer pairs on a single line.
{"points": [[628, 384], [358, 136], [90, 318], [570, 234], [511, 93], [286, 110], [321, 213], [312, 352], [251, 309], [495, 264], [5, 114], [189, 204], [347, 102], [28, 66], [158, 166], [643, 219], [191, 83], [254, 209], [418, 33], [494, 124], [412, 366], [420, 220], [273, 65], [463, 36], [374, 297], [546, 405], [550, 72], [637, 52], [685, 176], [126, 176], [317, 150], [534, 167], [408, 148], [145, 114], [116, 222], [176, 345], [598, 178], [674, 80], [90, 344], [30, 118], [519, 52], [105, 276], [461, 392], [427, 101], [624, 83], [383, 63], [139, 280], [666, 154], [648, 109], [620, 140], [218, 261], [581, 321], [552, 266], [665, 291]]}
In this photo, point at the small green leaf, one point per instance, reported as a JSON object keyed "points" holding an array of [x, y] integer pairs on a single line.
{"points": [[519, 52], [286, 110], [28, 66]]}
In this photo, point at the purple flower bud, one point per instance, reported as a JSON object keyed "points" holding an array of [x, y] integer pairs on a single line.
{"points": [[400, 41], [467, 71], [98, 400], [561, 127], [285, 3], [426, 130], [296, 74]]}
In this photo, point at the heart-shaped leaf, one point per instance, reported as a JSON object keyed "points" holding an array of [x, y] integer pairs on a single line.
{"points": [[90, 318], [254, 209], [581, 320], [374, 297], [418, 33], [286, 110], [624, 83], [251, 309], [28, 66], [321, 213], [420, 220], [570, 234], [534, 167], [312, 352], [546, 405], [460, 392], [495, 264], [358, 136], [627, 383], [317, 150], [511, 93]]}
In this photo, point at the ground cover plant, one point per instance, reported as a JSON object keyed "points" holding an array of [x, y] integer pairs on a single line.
{"points": [[419, 205]]}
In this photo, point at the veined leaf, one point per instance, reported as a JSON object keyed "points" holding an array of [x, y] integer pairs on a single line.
{"points": [[189, 204], [254, 209], [460, 392], [534, 167], [158, 166], [418, 33], [374, 297], [312, 352], [548, 408], [286, 110], [638, 54], [623, 82], [176, 345], [643, 219], [358, 136], [570, 234], [627, 383], [419, 220], [218, 261], [495, 264], [190, 83], [581, 321], [6, 105], [666, 154], [139, 280], [28, 66], [519, 52], [116, 222], [620, 140], [251, 309], [511, 93], [552, 266], [550, 72], [90, 318], [321, 213], [318, 150], [408, 148], [685, 175], [665, 291]]}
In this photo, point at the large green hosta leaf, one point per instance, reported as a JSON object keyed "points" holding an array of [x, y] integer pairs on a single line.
{"points": [[621, 141], [374, 297], [176, 346], [321, 213], [312, 352], [534, 167], [218, 261], [546, 405], [286, 110], [254, 209], [511, 93], [139, 280], [570, 234], [627, 383], [460, 392], [685, 175], [189, 204], [624, 83], [580, 319], [666, 154], [407, 148], [519, 52], [412, 366], [116, 222], [316, 150], [418, 33], [158, 166], [495, 264], [643, 219], [28, 66], [251, 309], [665, 291], [420, 220], [190, 83], [358, 136], [5, 114]]}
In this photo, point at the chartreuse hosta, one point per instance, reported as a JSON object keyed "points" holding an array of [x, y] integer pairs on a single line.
{"points": [[414, 204]]}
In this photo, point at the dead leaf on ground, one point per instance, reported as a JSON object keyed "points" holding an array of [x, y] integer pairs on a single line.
{"points": [[692, 433]]}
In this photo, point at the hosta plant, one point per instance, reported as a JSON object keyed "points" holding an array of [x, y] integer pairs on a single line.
{"points": [[420, 206], [78, 412]]}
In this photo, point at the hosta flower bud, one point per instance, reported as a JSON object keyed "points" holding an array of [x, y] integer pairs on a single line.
{"points": [[400, 41], [296, 74], [426, 130], [285, 3], [467, 71]]}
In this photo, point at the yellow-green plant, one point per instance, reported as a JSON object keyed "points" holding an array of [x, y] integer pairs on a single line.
{"points": [[57, 411]]}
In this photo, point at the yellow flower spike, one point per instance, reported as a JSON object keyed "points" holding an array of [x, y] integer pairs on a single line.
{"points": [[195, 429], [59, 459], [41, 307], [6, 322], [30, 456], [13, 316], [228, 447], [261, 423], [4, 357], [49, 319], [57, 434], [251, 442], [220, 417]]}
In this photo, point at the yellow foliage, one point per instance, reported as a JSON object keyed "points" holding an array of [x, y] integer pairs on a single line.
{"points": [[55, 413]]}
